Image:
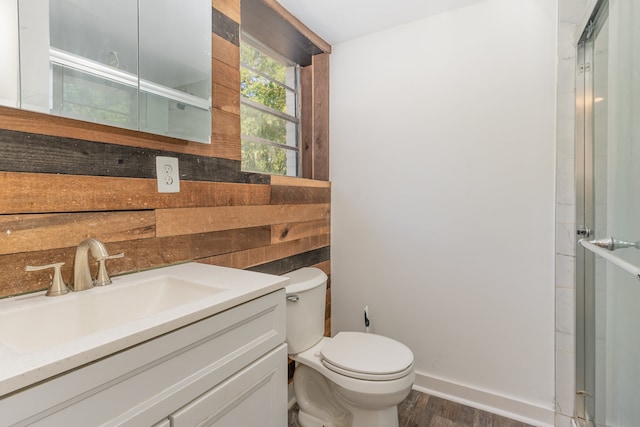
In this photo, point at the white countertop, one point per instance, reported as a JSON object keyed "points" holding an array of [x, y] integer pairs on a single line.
{"points": [[21, 367]]}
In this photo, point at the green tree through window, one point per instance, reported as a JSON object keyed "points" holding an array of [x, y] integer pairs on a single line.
{"points": [[269, 111]]}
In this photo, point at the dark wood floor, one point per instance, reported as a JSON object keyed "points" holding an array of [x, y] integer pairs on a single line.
{"points": [[422, 410]]}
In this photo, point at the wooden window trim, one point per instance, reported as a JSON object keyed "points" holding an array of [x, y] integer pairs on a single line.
{"points": [[314, 133], [299, 26], [271, 24]]}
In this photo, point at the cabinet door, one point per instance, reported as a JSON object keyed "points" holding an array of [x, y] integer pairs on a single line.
{"points": [[255, 396]]}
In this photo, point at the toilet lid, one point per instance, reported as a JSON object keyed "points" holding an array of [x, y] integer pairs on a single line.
{"points": [[367, 356]]}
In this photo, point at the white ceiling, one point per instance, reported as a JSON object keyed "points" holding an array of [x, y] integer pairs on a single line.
{"points": [[337, 21]]}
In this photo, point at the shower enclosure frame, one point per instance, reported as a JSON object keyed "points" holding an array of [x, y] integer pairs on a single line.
{"points": [[585, 218]]}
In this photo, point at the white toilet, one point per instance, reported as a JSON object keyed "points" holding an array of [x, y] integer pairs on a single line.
{"points": [[353, 379]]}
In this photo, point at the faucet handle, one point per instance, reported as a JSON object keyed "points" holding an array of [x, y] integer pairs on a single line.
{"points": [[103, 278], [58, 287]]}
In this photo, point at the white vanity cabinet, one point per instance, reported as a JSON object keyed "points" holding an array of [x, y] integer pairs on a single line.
{"points": [[229, 369]]}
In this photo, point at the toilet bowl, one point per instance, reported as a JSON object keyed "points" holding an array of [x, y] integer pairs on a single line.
{"points": [[354, 379]]}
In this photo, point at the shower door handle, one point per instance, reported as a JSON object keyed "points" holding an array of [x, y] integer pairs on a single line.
{"points": [[611, 243]]}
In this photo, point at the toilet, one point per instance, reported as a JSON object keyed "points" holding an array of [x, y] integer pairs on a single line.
{"points": [[354, 379]]}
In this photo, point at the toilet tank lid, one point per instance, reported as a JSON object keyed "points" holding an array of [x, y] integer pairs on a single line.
{"points": [[304, 279]]}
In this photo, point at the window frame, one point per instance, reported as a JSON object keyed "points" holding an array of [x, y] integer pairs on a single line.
{"points": [[294, 119]]}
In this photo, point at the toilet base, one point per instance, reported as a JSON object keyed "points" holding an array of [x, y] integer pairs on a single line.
{"points": [[306, 420], [320, 404], [386, 418], [369, 418]]}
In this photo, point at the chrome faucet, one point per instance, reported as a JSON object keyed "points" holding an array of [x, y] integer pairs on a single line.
{"points": [[81, 274]]}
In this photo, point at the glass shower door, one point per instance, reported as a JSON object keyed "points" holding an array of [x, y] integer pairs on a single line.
{"points": [[608, 152]]}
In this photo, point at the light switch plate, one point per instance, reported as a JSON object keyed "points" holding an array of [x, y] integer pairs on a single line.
{"points": [[168, 174]]}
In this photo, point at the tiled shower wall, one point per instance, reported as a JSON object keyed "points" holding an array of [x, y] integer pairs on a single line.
{"points": [[571, 15]]}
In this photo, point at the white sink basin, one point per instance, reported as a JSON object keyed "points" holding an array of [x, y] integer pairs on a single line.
{"points": [[43, 336], [57, 320]]}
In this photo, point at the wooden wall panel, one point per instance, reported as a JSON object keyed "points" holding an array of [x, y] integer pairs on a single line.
{"points": [[226, 99], [306, 121], [297, 230], [315, 118], [326, 267], [228, 54], [221, 215], [24, 233], [290, 181], [28, 121], [294, 262], [225, 53], [242, 231], [138, 255], [321, 117], [32, 192], [258, 256], [14, 280], [173, 222], [226, 134], [148, 253], [226, 75], [230, 8], [225, 27], [281, 195]]}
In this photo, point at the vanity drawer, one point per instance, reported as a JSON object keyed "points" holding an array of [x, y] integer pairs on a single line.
{"points": [[255, 396]]}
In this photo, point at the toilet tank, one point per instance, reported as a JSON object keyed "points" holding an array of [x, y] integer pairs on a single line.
{"points": [[306, 299]]}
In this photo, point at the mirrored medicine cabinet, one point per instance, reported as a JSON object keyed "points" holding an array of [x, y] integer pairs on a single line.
{"points": [[136, 64]]}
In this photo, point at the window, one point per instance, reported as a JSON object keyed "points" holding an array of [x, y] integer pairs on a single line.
{"points": [[269, 110]]}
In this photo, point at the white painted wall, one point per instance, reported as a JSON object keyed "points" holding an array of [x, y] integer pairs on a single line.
{"points": [[443, 166]]}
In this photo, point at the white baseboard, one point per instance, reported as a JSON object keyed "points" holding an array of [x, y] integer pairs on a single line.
{"points": [[486, 401]]}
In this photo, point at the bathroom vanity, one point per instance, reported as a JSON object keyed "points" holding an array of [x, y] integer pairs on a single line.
{"points": [[218, 359]]}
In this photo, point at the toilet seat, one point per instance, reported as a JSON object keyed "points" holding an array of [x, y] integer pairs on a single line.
{"points": [[367, 356], [365, 376]]}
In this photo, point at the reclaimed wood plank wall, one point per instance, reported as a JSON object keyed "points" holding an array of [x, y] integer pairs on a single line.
{"points": [[62, 181]]}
